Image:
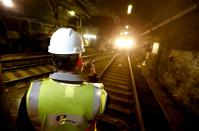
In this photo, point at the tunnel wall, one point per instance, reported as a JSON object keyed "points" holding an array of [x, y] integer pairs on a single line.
{"points": [[176, 66]]}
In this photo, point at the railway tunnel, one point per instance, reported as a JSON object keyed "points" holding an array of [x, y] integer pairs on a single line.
{"points": [[146, 53]]}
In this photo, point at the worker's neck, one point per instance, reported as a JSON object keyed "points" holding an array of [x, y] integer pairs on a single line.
{"points": [[66, 76], [76, 71]]}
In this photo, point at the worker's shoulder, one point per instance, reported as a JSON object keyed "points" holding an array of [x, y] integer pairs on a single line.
{"points": [[96, 85]]}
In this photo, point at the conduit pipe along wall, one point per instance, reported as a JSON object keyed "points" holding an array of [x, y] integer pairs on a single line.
{"points": [[31, 20], [189, 10]]}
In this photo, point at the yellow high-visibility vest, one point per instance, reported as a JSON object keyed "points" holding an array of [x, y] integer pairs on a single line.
{"points": [[55, 106]]}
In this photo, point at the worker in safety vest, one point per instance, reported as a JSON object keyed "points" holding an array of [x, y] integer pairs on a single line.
{"points": [[64, 101]]}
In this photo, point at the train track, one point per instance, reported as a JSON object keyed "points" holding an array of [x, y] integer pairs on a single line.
{"points": [[153, 114], [120, 114], [19, 72], [28, 68], [133, 105], [125, 112]]}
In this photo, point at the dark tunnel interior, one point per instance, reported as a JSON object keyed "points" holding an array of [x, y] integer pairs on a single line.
{"points": [[165, 35]]}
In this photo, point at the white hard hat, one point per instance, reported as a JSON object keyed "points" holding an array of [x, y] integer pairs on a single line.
{"points": [[66, 41]]}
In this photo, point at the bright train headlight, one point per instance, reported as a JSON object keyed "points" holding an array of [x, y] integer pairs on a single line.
{"points": [[124, 43]]}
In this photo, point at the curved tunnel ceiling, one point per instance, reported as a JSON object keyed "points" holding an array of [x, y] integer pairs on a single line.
{"points": [[109, 13]]}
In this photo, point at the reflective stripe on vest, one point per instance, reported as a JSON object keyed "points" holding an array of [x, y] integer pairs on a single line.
{"points": [[96, 101], [103, 101], [100, 97], [33, 104]]}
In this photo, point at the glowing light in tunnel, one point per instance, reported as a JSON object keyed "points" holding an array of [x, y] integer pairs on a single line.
{"points": [[126, 26], [129, 9], [155, 47], [8, 3], [124, 43], [126, 32], [72, 13]]}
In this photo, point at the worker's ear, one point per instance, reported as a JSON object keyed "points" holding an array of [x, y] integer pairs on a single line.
{"points": [[79, 63]]}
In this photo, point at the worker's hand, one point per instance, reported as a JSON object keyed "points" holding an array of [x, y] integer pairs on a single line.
{"points": [[89, 69]]}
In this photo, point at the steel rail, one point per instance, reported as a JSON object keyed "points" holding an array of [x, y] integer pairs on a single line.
{"points": [[24, 66], [104, 70], [31, 58], [25, 58], [134, 92], [137, 103], [34, 57], [41, 56], [31, 65], [10, 82]]}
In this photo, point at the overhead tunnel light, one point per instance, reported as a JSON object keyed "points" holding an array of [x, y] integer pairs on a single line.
{"points": [[129, 9], [126, 27], [72, 13], [8, 3]]}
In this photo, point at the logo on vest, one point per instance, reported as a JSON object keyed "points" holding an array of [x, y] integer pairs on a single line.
{"points": [[62, 119]]}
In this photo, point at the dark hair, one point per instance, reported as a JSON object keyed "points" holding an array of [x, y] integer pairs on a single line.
{"points": [[65, 62]]}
